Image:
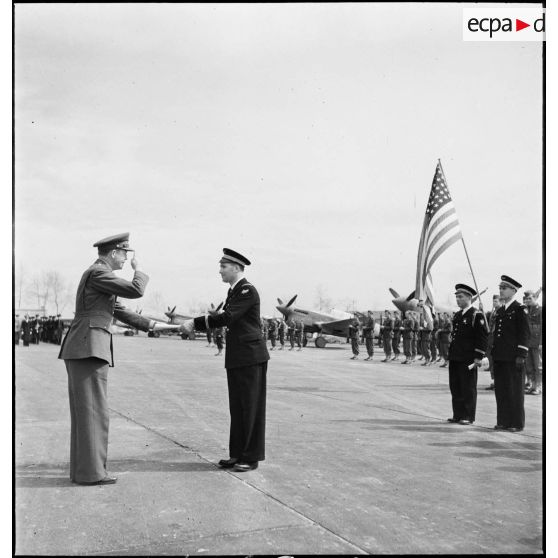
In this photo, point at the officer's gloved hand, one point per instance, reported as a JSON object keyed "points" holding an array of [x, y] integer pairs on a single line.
{"points": [[519, 361]]}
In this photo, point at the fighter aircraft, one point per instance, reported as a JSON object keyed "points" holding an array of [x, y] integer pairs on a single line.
{"points": [[410, 303], [336, 323], [178, 319]]}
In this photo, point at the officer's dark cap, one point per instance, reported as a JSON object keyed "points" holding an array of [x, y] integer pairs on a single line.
{"points": [[230, 256], [115, 242], [506, 280], [465, 289]]}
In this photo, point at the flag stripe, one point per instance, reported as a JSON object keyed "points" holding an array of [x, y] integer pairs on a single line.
{"points": [[439, 231], [440, 239], [442, 249]]}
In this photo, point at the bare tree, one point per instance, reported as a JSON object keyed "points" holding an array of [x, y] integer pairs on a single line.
{"points": [[40, 288], [61, 292], [323, 302], [20, 284]]}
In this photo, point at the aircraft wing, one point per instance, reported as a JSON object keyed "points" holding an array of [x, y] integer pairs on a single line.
{"points": [[337, 327]]}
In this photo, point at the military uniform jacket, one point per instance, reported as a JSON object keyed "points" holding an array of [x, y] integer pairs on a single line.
{"points": [[368, 327], [245, 345], [534, 315], [511, 332], [469, 336], [353, 331], [96, 305], [408, 325], [387, 327]]}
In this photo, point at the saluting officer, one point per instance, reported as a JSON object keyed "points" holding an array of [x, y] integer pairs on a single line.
{"points": [[246, 359], [87, 354], [509, 351], [467, 347]]}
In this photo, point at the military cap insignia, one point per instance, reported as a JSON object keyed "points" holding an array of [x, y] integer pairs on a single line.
{"points": [[525, 310], [245, 291], [482, 321]]}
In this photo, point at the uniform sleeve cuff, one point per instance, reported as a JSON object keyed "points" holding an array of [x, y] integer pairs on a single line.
{"points": [[522, 347]]}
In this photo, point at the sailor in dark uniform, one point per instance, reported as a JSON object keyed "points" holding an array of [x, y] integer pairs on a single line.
{"points": [[466, 350], [246, 359], [509, 351]]}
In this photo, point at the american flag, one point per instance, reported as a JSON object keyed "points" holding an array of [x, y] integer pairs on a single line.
{"points": [[439, 231]]}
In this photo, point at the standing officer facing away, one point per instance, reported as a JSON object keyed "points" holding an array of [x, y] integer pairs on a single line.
{"points": [[246, 359], [87, 354], [467, 347], [509, 351]]}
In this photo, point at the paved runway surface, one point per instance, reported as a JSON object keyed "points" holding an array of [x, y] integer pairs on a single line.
{"points": [[359, 460]]}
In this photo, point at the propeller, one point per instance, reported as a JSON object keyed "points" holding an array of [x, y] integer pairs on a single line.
{"points": [[291, 301], [283, 308], [410, 297], [170, 312], [394, 293]]}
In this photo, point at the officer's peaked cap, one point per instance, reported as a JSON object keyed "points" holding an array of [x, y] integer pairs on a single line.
{"points": [[465, 289], [115, 242], [230, 256], [508, 281]]}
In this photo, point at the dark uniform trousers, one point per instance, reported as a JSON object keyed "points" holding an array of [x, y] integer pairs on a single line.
{"points": [[247, 402], [463, 388], [509, 389], [468, 343], [369, 340], [511, 334]]}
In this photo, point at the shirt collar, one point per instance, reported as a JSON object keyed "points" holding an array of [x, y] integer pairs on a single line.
{"points": [[507, 305], [465, 310], [236, 283]]}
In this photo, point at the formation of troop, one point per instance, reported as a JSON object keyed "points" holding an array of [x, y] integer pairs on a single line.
{"points": [[33, 329], [422, 336]]}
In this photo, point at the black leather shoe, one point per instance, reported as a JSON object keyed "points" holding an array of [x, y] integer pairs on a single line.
{"points": [[465, 421], [452, 420], [228, 463], [500, 427], [106, 480], [513, 429], [243, 466]]}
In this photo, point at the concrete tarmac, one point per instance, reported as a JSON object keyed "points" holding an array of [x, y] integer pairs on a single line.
{"points": [[360, 460]]}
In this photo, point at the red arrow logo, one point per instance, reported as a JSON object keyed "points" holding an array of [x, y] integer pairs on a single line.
{"points": [[519, 25]]}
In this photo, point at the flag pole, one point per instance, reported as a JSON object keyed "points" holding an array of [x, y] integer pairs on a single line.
{"points": [[467, 255]]}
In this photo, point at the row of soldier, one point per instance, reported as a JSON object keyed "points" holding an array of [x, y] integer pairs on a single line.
{"points": [[422, 335], [33, 329]]}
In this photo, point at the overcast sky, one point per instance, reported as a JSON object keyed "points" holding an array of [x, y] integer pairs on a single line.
{"points": [[303, 136]]}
